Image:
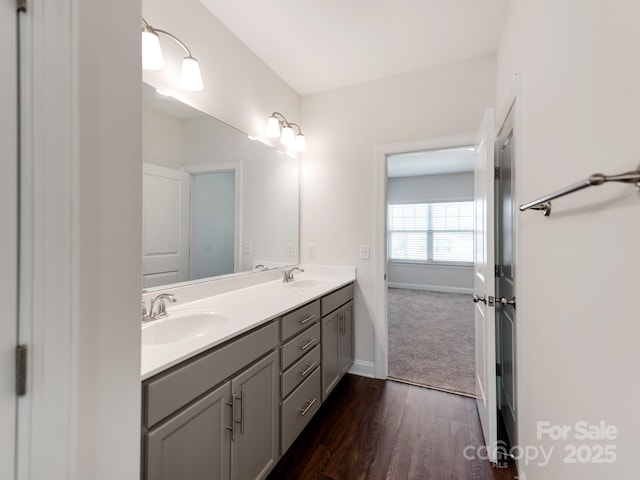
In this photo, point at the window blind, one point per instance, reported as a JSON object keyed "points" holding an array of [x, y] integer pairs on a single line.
{"points": [[431, 232]]}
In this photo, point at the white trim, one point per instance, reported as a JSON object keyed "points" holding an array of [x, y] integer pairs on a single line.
{"points": [[49, 239], [379, 307], [364, 369], [431, 288]]}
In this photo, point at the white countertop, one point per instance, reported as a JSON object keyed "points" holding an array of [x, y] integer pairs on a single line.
{"points": [[247, 308]]}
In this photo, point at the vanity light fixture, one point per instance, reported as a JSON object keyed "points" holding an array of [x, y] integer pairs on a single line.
{"points": [[190, 77], [287, 136]]}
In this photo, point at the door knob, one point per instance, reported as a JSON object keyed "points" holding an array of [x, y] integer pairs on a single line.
{"points": [[477, 299], [504, 301]]}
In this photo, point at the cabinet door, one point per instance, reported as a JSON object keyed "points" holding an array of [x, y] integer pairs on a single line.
{"points": [[194, 444], [346, 338], [255, 445], [331, 326]]}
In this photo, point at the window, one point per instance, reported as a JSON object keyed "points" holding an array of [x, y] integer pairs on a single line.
{"points": [[431, 232]]}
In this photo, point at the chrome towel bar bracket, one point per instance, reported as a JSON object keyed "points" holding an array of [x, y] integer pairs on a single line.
{"points": [[544, 203]]}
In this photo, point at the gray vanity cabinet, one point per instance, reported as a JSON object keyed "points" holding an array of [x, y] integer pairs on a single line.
{"points": [[337, 337], [195, 443], [256, 423]]}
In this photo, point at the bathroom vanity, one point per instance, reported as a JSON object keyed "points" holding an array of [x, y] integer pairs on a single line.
{"points": [[234, 404]]}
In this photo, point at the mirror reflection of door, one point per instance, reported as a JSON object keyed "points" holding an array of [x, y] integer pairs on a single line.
{"points": [[165, 232], [212, 238]]}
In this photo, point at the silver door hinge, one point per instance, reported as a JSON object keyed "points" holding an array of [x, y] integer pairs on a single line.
{"points": [[22, 5], [21, 370], [496, 173]]}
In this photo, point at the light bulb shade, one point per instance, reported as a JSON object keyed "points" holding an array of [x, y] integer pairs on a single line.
{"points": [[288, 138], [190, 77], [301, 143], [273, 127], [151, 52]]}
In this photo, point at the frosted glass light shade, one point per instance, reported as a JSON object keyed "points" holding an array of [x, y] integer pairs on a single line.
{"points": [[151, 52], [301, 143], [190, 77], [273, 127], [287, 138]]}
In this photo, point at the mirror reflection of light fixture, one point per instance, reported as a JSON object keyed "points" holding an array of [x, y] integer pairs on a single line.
{"points": [[287, 136], [190, 77]]}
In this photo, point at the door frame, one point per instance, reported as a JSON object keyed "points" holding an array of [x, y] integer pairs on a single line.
{"points": [[381, 351]]}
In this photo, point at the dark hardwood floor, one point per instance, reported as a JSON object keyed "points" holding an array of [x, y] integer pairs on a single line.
{"points": [[375, 429]]}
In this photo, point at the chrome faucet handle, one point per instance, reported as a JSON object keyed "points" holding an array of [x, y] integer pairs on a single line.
{"points": [[145, 314], [288, 274], [162, 307]]}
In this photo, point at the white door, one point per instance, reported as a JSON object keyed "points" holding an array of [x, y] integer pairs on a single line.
{"points": [[8, 236], [165, 219], [484, 284]]}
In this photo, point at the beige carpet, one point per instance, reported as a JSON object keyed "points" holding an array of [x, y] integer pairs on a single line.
{"points": [[432, 339]]}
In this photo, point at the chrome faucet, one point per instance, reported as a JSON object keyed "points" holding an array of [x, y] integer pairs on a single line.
{"points": [[260, 267], [162, 307], [288, 274]]}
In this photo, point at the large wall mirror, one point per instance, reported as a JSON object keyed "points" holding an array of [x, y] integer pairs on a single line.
{"points": [[215, 202]]}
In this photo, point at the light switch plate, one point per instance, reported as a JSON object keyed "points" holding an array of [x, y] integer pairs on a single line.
{"points": [[291, 251], [247, 247], [311, 250], [364, 252]]}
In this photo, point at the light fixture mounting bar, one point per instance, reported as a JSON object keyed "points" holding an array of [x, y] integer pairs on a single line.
{"points": [[150, 28]]}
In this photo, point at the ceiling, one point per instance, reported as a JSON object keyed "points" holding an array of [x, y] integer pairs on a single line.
{"points": [[318, 45], [431, 162]]}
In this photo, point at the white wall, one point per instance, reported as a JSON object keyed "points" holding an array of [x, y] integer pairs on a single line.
{"points": [[578, 283], [239, 88], [162, 137], [343, 126], [428, 188], [109, 241]]}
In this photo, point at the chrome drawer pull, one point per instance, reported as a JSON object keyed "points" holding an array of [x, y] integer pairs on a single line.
{"points": [[303, 411], [308, 369], [309, 318], [308, 344]]}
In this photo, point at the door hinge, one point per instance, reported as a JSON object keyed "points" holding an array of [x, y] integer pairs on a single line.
{"points": [[496, 173], [497, 271], [498, 370], [21, 370], [22, 5]]}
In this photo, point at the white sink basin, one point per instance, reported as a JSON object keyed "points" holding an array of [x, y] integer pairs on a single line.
{"points": [[182, 327], [301, 284]]}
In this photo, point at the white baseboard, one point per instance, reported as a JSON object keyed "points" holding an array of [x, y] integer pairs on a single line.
{"points": [[432, 288], [364, 369]]}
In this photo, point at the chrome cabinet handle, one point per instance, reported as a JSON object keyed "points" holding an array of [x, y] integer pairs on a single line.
{"points": [[242, 410], [309, 343], [303, 411], [308, 369], [232, 428], [309, 318]]}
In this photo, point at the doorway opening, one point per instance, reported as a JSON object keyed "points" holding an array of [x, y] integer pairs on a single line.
{"points": [[429, 229]]}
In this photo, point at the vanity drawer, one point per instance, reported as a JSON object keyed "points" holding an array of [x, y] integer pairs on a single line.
{"points": [[299, 408], [167, 393], [300, 370], [300, 345], [336, 299], [300, 319]]}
